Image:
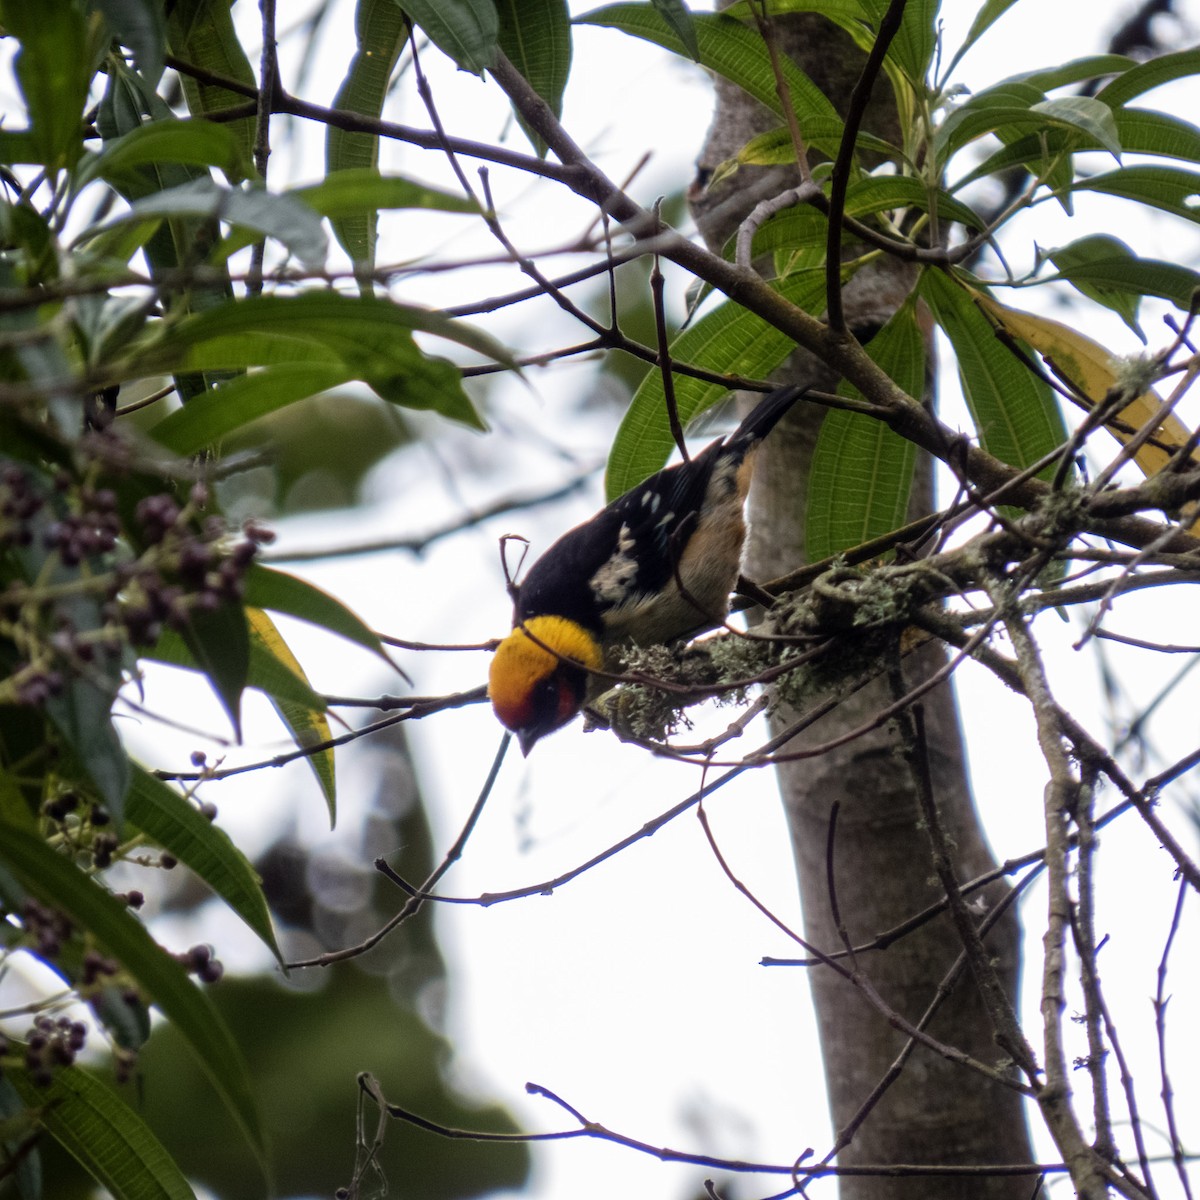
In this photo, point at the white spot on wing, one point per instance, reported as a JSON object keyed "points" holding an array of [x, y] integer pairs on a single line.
{"points": [[611, 583]]}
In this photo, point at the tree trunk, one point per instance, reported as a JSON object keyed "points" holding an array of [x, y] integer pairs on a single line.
{"points": [[935, 1112]]}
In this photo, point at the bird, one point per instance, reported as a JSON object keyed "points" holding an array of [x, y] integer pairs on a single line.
{"points": [[656, 564]]}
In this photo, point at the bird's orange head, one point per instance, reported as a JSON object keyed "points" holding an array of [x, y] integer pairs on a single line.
{"points": [[538, 678]]}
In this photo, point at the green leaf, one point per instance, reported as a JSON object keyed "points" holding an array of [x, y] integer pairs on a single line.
{"points": [[201, 32], [196, 143], [309, 342], [54, 70], [212, 416], [822, 133], [381, 33], [262, 213], [19, 1129], [677, 16], [913, 46], [839, 11], [1003, 108], [315, 326], [862, 471], [1083, 263], [266, 673], [103, 1134], [174, 823], [1167, 188], [885, 193], [220, 642], [275, 672], [1086, 114], [466, 30], [729, 339], [354, 191], [82, 711], [279, 592], [58, 882], [1139, 130], [1106, 270], [1076, 70], [139, 25], [536, 37], [989, 13], [726, 47], [1015, 413], [82, 714], [1144, 77]]}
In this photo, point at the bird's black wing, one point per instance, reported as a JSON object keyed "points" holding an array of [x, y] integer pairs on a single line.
{"points": [[633, 545]]}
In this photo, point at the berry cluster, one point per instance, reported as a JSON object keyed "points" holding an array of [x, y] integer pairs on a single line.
{"points": [[52, 1043], [46, 927], [171, 563], [184, 570], [19, 504], [201, 962], [90, 528]]}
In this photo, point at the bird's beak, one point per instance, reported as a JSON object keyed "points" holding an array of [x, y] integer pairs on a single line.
{"points": [[526, 738]]}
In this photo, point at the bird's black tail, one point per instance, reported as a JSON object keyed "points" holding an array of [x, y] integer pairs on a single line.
{"points": [[765, 415]]}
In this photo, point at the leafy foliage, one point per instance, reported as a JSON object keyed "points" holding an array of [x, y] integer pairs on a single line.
{"points": [[145, 263]]}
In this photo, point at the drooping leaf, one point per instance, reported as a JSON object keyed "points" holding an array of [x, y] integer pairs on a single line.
{"points": [[220, 642], [466, 30], [305, 720], [381, 31], [731, 340], [356, 190], [192, 142], [862, 471], [726, 47], [54, 70], [677, 16], [174, 823], [103, 1134], [535, 35], [1090, 367], [139, 24], [1015, 414], [1086, 114], [1083, 262], [280, 592], [201, 32], [58, 882], [1107, 271]]}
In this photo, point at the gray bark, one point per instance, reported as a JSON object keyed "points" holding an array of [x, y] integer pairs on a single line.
{"points": [[936, 1112]]}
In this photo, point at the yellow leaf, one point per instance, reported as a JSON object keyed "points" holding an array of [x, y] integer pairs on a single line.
{"points": [[1090, 367], [308, 726]]}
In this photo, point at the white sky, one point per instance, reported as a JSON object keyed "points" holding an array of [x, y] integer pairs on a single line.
{"points": [[635, 992]]}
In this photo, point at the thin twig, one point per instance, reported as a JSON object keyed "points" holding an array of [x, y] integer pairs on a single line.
{"points": [[413, 904]]}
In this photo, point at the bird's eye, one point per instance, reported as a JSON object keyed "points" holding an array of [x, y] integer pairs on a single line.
{"points": [[557, 698]]}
